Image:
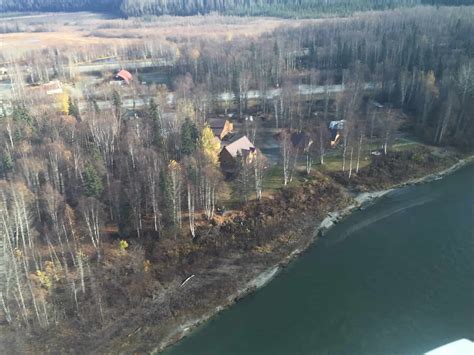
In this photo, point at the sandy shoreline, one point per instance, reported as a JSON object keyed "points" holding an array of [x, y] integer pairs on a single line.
{"points": [[361, 200]]}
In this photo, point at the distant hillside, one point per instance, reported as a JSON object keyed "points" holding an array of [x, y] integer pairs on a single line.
{"points": [[281, 8]]}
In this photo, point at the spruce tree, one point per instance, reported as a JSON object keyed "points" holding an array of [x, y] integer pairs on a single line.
{"points": [[189, 136], [117, 102], [74, 109], [154, 113], [6, 163], [166, 200], [125, 222], [92, 182]]}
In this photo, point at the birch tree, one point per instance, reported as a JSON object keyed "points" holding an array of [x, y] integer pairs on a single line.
{"points": [[152, 186], [90, 208], [175, 177], [260, 165], [289, 157]]}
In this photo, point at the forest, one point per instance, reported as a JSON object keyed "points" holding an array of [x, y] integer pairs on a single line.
{"points": [[281, 8], [99, 199]]}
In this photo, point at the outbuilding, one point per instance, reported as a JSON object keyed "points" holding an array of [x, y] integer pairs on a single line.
{"points": [[124, 76], [336, 128], [221, 127]]}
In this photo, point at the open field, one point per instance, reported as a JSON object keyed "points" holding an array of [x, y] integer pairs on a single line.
{"points": [[51, 30]]}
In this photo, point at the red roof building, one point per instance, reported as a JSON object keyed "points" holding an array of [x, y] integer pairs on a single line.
{"points": [[124, 75]]}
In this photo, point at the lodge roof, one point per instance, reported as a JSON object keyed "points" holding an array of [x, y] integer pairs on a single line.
{"points": [[239, 146]]}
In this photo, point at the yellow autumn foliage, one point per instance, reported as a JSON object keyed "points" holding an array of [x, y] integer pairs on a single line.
{"points": [[55, 270], [123, 245], [210, 145], [264, 249], [173, 165], [63, 101], [44, 279], [52, 271]]}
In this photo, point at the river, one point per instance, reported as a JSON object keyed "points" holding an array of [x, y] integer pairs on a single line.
{"points": [[395, 278]]}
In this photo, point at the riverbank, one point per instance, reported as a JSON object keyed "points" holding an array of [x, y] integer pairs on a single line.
{"points": [[361, 200], [228, 261], [365, 198], [399, 265]]}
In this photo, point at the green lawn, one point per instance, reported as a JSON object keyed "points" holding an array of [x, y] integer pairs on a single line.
{"points": [[273, 180]]}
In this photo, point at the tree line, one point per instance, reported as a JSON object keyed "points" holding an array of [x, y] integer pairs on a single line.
{"points": [[283, 8], [108, 6]]}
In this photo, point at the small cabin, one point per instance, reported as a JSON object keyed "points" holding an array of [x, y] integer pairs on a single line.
{"points": [[124, 76], [54, 87]]}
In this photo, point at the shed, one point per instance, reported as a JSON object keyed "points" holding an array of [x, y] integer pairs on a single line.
{"points": [[124, 75], [53, 88]]}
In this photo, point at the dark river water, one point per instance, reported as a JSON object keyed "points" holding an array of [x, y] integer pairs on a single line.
{"points": [[395, 278]]}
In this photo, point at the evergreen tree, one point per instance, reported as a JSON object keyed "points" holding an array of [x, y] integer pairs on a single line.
{"points": [[276, 49], [7, 163], [189, 136], [73, 109], [92, 182], [125, 221], [21, 113], [117, 102], [154, 113], [166, 201], [95, 106], [153, 109]]}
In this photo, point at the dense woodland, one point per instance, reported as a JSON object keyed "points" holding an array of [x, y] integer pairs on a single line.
{"points": [[284, 8], [77, 180]]}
